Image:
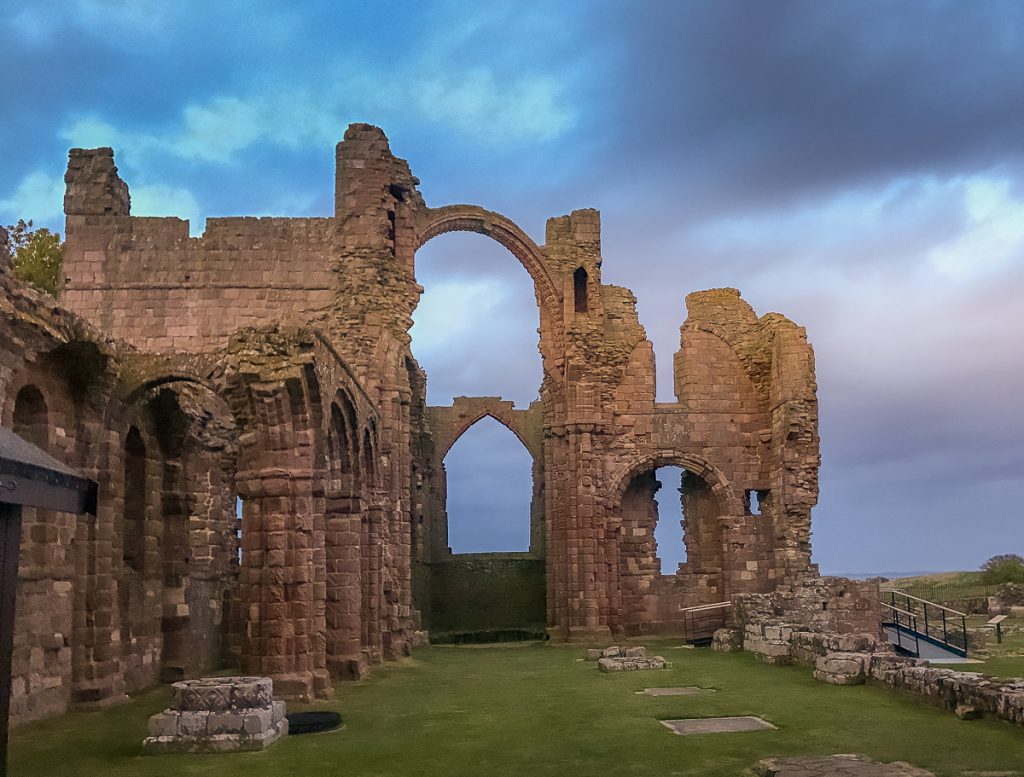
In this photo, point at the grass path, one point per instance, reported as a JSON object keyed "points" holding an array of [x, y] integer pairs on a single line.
{"points": [[537, 711]]}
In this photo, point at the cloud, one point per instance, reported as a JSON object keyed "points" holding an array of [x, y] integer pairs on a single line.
{"points": [[530, 109], [451, 310], [39, 198], [729, 105], [215, 131], [476, 323], [477, 105], [995, 233], [160, 200]]}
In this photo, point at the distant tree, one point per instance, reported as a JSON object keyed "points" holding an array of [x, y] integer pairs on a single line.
{"points": [[1005, 568], [37, 254]]}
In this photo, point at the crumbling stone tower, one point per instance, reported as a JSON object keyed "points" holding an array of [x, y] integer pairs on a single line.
{"points": [[268, 362]]}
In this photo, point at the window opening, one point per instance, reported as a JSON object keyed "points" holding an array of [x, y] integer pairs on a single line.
{"points": [[580, 282], [668, 532], [754, 502], [489, 487]]}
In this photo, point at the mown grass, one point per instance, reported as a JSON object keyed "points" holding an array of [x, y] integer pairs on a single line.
{"points": [[538, 711], [1002, 659]]}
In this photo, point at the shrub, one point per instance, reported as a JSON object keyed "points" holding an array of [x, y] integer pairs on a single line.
{"points": [[37, 254], [1005, 568]]}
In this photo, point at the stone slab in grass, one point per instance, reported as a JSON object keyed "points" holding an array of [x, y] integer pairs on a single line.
{"points": [[688, 726], [835, 766], [681, 691]]}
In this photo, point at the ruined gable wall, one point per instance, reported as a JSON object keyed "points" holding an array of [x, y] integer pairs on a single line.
{"points": [[727, 418]]}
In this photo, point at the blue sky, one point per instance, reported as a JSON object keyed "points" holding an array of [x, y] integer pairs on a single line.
{"points": [[857, 166]]}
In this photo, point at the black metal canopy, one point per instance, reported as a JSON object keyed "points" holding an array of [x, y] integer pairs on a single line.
{"points": [[30, 477]]}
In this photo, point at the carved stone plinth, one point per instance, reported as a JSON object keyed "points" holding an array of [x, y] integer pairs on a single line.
{"points": [[218, 715]]}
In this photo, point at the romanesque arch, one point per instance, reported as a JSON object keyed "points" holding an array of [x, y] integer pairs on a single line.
{"points": [[472, 218], [729, 502]]}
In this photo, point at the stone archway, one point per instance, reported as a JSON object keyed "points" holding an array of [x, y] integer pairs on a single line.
{"points": [[645, 599], [432, 222]]}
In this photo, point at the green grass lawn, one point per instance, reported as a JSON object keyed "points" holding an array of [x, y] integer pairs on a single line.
{"points": [[1005, 659], [537, 711]]}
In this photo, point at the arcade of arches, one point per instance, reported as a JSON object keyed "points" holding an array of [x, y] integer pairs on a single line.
{"points": [[269, 361]]}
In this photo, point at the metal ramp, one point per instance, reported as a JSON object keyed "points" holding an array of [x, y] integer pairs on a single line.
{"points": [[923, 629]]}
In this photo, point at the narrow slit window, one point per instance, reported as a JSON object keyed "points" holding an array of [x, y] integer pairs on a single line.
{"points": [[238, 528], [579, 286]]}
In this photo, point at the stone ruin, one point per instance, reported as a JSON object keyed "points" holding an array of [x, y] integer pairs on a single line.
{"points": [[267, 363], [218, 715], [626, 659]]}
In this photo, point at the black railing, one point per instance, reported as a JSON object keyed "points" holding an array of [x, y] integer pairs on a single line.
{"points": [[912, 616], [901, 627]]}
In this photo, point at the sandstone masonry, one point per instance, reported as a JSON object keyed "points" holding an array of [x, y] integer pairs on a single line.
{"points": [[267, 363]]}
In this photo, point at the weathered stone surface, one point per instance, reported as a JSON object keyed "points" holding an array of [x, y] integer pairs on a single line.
{"points": [[841, 669], [616, 659], [835, 766], [680, 691], [727, 640], [241, 715], [692, 726]]}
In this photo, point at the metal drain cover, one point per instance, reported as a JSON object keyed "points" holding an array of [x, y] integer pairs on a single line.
{"points": [[312, 722]]}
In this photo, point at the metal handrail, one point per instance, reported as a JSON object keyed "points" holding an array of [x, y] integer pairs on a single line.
{"points": [[924, 601], [897, 609], [900, 628], [699, 607], [936, 629]]}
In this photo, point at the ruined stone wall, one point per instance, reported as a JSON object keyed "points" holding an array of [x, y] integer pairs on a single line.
{"points": [[99, 598], [270, 360], [827, 604], [143, 280]]}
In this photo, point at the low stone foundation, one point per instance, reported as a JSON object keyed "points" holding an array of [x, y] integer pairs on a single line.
{"points": [[841, 669], [968, 694], [620, 659], [217, 715], [784, 643], [855, 659]]}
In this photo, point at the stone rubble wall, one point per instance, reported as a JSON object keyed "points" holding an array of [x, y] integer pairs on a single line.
{"points": [[826, 604], [625, 659], [853, 658]]}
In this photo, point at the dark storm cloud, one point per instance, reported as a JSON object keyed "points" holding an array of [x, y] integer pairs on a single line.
{"points": [[741, 104]]}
